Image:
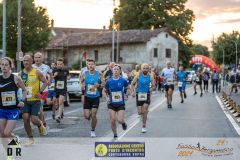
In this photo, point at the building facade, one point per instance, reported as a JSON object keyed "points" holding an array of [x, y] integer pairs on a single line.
{"points": [[131, 47]]}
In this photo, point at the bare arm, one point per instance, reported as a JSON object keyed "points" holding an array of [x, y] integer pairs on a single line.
{"points": [[43, 80], [20, 84], [133, 84], [153, 82]]}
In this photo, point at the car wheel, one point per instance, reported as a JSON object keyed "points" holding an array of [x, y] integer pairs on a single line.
{"points": [[67, 100]]}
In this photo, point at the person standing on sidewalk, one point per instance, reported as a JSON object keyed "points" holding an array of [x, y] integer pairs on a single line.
{"points": [[215, 80], [92, 80], [61, 75], [47, 72], [32, 78], [142, 91], [116, 93], [205, 80]]}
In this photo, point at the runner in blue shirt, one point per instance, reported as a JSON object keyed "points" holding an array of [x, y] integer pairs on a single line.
{"points": [[117, 91], [181, 77], [92, 80], [142, 90]]}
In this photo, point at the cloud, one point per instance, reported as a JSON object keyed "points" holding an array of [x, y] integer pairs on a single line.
{"points": [[229, 21], [205, 8]]}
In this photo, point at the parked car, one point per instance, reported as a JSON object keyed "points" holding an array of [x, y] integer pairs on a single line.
{"points": [[190, 76], [74, 86]]}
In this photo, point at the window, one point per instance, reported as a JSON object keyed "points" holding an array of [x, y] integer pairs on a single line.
{"points": [[96, 55], [155, 52], [168, 53]]}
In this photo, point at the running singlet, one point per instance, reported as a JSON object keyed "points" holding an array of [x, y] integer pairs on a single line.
{"points": [[32, 84], [181, 78], [61, 79], [45, 69], [143, 87], [115, 88], [90, 80], [168, 73], [8, 93]]}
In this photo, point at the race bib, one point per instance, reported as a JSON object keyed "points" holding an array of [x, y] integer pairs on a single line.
{"points": [[169, 81], [29, 92], [142, 96], [8, 98], [180, 84], [197, 79], [60, 85], [117, 97], [91, 89]]}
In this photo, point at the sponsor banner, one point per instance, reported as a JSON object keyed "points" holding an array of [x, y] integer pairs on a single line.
{"points": [[119, 149], [138, 148]]}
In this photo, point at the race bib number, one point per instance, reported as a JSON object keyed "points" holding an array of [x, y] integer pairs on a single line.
{"points": [[91, 89], [142, 96], [180, 84], [169, 81], [8, 98], [29, 92], [197, 79], [60, 85], [117, 97]]}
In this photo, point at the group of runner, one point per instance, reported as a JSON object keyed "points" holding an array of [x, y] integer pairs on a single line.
{"points": [[40, 83]]}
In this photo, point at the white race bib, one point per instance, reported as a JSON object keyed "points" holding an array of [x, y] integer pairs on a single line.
{"points": [[60, 85], [197, 79], [91, 89], [142, 96], [169, 81], [29, 92], [8, 98], [180, 84], [117, 97]]}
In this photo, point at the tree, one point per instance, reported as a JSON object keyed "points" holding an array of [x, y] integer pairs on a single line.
{"points": [[200, 49], [36, 30], [226, 42], [146, 14]]}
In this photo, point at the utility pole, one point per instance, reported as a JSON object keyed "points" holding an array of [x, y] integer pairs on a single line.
{"points": [[19, 40], [113, 33], [4, 29], [118, 48]]}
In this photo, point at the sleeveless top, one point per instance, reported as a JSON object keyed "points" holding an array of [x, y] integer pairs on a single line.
{"points": [[8, 93]]}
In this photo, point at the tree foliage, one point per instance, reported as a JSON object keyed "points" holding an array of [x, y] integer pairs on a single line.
{"points": [[146, 14], [200, 49], [35, 26], [226, 42]]}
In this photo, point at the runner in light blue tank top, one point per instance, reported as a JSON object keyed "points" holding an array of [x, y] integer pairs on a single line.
{"points": [[181, 77]]}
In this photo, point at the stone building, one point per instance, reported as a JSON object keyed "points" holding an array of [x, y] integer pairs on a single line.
{"points": [[131, 46]]}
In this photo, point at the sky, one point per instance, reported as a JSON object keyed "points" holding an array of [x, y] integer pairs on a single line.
{"points": [[213, 17]]}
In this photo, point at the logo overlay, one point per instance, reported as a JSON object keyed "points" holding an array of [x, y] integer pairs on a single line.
{"points": [[217, 150], [14, 149], [119, 149]]}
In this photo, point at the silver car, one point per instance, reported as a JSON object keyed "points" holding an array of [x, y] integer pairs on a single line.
{"points": [[74, 86]]}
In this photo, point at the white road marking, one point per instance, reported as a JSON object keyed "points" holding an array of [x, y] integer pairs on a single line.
{"points": [[228, 115], [75, 110]]}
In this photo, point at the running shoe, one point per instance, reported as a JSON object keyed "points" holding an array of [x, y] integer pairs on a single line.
{"points": [[124, 126], [93, 135], [29, 142], [144, 130], [42, 130]]}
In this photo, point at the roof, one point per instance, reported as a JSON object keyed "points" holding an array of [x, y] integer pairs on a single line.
{"points": [[94, 38]]}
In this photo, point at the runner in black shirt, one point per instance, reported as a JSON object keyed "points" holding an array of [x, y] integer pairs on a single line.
{"points": [[61, 76]]}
